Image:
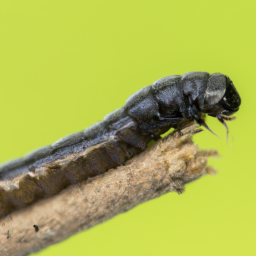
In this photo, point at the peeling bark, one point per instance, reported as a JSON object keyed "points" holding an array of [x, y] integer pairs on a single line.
{"points": [[166, 166]]}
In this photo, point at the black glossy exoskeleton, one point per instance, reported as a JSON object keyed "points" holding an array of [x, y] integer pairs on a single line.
{"points": [[147, 114], [171, 99]]}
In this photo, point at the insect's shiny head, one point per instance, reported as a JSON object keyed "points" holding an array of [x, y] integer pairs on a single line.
{"points": [[231, 100], [221, 98]]}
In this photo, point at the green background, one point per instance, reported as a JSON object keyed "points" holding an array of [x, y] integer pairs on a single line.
{"points": [[64, 65]]}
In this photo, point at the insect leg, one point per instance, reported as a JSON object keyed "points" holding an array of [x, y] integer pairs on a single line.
{"points": [[194, 113], [221, 119], [202, 123], [228, 118]]}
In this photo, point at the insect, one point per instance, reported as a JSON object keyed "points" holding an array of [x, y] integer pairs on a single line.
{"points": [[121, 135]]}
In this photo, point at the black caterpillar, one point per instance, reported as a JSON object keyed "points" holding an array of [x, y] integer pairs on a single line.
{"points": [[121, 135]]}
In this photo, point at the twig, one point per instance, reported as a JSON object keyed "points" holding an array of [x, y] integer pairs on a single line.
{"points": [[166, 166]]}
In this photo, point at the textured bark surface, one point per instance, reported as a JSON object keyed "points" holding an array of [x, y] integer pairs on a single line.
{"points": [[166, 166]]}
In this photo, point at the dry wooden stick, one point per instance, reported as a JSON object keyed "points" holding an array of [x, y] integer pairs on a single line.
{"points": [[167, 166]]}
